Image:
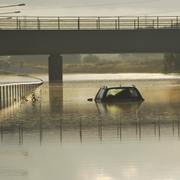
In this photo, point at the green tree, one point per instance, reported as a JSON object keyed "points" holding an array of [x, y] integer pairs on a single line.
{"points": [[91, 59], [177, 62], [169, 62]]}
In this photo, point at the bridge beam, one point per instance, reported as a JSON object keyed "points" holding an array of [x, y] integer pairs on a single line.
{"points": [[55, 66]]}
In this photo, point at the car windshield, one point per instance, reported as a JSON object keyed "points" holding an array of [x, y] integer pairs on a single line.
{"points": [[113, 92], [122, 93]]}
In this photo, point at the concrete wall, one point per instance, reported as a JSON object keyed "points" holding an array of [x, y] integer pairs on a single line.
{"points": [[14, 42]]}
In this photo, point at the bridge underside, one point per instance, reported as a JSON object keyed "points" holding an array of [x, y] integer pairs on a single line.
{"points": [[16, 42], [57, 42]]}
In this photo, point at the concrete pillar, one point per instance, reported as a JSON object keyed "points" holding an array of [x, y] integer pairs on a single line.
{"points": [[55, 65]]}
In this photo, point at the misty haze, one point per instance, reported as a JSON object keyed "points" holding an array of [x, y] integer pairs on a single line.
{"points": [[90, 90]]}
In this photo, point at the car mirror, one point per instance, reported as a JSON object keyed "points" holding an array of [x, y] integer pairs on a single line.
{"points": [[90, 99]]}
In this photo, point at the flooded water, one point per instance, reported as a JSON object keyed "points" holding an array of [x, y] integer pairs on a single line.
{"points": [[63, 136]]}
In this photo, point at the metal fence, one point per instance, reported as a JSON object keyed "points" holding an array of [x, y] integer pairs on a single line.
{"points": [[11, 93], [89, 23]]}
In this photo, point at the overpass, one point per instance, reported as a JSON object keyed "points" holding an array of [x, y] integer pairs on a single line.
{"points": [[69, 35]]}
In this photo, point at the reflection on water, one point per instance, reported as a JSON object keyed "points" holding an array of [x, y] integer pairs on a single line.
{"points": [[56, 98], [118, 108], [62, 108], [63, 136]]}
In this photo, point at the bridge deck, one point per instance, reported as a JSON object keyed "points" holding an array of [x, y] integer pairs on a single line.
{"points": [[16, 42], [89, 23]]}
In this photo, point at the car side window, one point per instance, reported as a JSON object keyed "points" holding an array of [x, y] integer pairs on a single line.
{"points": [[133, 92], [100, 94]]}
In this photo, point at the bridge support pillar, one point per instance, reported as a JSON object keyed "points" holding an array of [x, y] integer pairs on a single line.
{"points": [[55, 66]]}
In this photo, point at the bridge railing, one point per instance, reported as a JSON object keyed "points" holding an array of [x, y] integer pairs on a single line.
{"points": [[89, 23]]}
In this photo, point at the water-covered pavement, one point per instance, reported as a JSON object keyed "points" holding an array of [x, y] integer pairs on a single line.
{"points": [[63, 136]]}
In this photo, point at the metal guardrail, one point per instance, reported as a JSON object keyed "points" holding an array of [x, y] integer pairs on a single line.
{"points": [[21, 83], [89, 22], [11, 93]]}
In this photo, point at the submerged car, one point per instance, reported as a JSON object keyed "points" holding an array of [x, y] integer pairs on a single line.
{"points": [[118, 94]]}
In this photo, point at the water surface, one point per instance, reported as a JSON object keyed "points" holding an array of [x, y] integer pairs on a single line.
{"points": [[63, 136]]}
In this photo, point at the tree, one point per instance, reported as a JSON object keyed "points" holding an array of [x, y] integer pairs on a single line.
{"points": [[72, 59], [177, 62], [169, 61], [91, 59]]}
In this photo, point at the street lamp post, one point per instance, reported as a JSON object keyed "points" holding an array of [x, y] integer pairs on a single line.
{"points": [[12, 5], [10, 12], [7, 7]]}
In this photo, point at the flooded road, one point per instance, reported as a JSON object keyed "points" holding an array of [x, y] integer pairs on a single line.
{"points": [[63, 136]]}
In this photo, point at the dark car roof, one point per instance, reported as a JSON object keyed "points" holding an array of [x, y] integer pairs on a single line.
{"points": [[119, 87], [101, 94]]}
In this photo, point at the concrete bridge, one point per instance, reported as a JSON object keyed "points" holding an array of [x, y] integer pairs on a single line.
{"points": [[69, 35]]}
